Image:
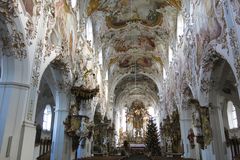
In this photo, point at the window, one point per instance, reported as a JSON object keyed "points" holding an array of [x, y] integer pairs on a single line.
{"points": [[100, 58], [47, 118], [164, 73], [170, 55], [180, 24], [232, 115], [73, 3], [89, 31]]}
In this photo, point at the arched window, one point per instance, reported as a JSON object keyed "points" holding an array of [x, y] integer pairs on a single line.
{"points": [[164, 73], [89, 31], [180, 25], [100, 58], [47, 118], [170, 54], [73, 3], [232, 115]]}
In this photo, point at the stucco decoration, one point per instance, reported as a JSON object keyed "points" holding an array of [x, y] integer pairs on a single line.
{"points": [[208, 62], [30, 31], [37, 64], [8, 10], [14, 45]]}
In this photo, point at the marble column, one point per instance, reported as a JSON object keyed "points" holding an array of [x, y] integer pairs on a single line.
{"points": [[61, 143]]}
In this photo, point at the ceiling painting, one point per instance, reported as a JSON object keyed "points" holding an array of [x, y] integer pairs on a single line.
{"points": [[130, 60], [134, 36], [137, 42], [119, 20], [132, 9]]}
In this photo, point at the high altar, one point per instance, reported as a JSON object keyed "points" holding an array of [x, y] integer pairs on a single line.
{"points": [[137, 117]]}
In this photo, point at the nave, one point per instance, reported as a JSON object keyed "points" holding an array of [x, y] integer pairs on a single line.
{"points": [[83, 79]]}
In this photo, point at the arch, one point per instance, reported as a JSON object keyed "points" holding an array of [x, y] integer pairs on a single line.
{"points": [[131, 88], [116, 80], [208, 61], [222, 87], [45, 98]]}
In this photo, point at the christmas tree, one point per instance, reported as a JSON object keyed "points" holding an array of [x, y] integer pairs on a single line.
{"points": [[152, 143]]}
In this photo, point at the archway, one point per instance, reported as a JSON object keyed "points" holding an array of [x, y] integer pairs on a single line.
{"points": [[135, 100], [44, 117], [222, 90]]}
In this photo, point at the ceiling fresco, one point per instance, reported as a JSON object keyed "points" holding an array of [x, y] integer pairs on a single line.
{"points": [[131, 61], [135, 36], [133, 42], [125, 6], [132, 27]]}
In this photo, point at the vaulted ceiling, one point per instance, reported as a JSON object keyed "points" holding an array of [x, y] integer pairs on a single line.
{"points": [[135, 36]]}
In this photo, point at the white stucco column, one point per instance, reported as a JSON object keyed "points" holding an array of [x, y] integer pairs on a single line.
{"points": [[185, 125], [28, 135], [219, 141], [61, 143], [13, 102]]}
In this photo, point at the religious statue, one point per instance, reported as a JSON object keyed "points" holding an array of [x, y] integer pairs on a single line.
{"points": [[85, 131], [191, 138], [197, 122], [85, 128], [138, 119]]}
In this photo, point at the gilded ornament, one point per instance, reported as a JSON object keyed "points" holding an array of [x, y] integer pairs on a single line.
{"points": [[175, 3], [92, 6]]}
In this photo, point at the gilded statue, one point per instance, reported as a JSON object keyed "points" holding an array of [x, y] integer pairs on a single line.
{"points": [[138, 119]]}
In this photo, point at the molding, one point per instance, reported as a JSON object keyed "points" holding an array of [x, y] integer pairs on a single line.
{"points": [[29, 124], [185, 119], [15, 84], [61, 110]]}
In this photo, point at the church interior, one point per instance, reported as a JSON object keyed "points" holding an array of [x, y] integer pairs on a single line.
{"points": [[119, 79]]}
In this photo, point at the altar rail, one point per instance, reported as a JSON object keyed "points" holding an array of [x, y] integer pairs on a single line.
{"points": [[169, 158], [234, 145], [45, 148]]}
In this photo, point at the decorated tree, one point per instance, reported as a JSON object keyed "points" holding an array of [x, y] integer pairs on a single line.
{"points": [[152, 143]]}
